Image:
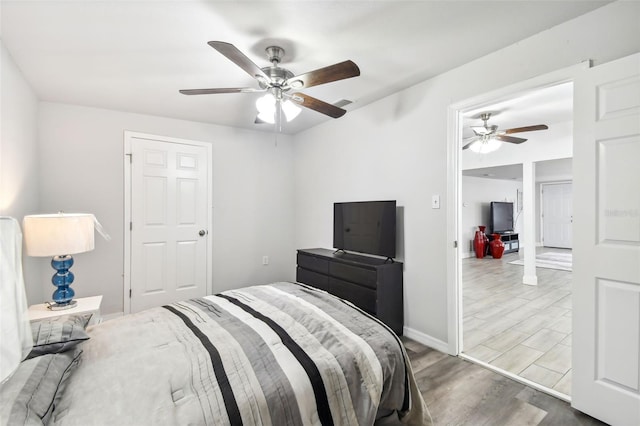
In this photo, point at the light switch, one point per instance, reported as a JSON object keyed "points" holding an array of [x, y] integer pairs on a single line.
{"points": [[435, 201]]}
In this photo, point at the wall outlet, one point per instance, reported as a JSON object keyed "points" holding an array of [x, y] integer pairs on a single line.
{"points": [[435, 201], [265, 260]]}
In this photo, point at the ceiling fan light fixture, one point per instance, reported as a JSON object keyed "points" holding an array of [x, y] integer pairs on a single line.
{"points": [[267, 106], [485, 146], [290, 110], [278, 81], [266, 117]]}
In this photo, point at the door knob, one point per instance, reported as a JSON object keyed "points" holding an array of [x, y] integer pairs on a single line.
{"points": [[202, 233]]}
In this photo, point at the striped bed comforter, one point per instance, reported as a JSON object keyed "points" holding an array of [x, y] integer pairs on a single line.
{"points": [[280, 354]]}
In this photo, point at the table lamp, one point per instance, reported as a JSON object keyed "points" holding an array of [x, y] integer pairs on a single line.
{"points": [[59, 235]]}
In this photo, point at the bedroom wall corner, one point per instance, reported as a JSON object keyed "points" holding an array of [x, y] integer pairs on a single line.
{"points": [[19, 171]]}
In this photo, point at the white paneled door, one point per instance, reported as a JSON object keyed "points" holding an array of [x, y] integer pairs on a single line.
{"points": [[170, 187], [557, 215], [606, 249]]}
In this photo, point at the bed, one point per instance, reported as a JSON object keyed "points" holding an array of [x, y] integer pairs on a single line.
{"points": [[278, 354]]}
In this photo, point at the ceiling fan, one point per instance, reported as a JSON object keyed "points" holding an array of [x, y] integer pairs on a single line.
{"points": [[487, 138], [281, 85]]}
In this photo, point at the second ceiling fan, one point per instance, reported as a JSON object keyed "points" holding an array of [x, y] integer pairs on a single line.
{"points": [[487, 138], [281, 85]]}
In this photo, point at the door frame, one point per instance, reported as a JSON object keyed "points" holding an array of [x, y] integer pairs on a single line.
{"points": [[454, 186], [128, 140], [541, 216]]}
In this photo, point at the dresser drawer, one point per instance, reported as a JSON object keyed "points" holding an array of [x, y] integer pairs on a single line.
{"points": [[313, 263], [362, 297], [354, 274], [313, 279]]}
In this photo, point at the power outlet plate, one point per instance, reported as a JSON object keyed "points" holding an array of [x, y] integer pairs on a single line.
{"points": [[435, 201]]}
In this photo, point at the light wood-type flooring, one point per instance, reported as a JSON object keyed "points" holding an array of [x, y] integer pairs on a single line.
{"points": [[459, 392], [523, 329]]}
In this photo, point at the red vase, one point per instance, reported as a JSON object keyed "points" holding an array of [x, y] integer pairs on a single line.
{"points": [[497, 247], [480, 243], [487, 246]]}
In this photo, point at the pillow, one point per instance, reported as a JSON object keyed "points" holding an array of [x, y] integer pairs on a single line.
{"points": [[58, 334], [30, 394]]}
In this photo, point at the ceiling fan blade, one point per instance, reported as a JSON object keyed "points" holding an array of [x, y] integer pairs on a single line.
{"points": [[470, 141], [526, 129], [340, 71], [218, 91], [510, 139], [317, 105], [239, 58]]}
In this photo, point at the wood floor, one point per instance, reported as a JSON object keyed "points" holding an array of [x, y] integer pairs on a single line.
{"points": [[459, 392], [523, 329]]}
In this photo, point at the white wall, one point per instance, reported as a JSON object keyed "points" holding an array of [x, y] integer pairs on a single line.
{"points": [[396, 148], [477, 194], [19, 191], [81, 157]]}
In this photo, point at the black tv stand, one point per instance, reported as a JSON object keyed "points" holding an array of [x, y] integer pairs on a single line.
{"points": [[510, 240]]}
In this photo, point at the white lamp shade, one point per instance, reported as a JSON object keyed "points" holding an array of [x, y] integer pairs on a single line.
{"points": [[267, 105], [290, 109], [58, 234], [485, 146]]}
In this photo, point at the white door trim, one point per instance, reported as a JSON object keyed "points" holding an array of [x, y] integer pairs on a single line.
{"points": [[128, 137], [454, 200]]}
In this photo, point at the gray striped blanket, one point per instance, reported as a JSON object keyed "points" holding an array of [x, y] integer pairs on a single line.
{"points": [[280, 354]]}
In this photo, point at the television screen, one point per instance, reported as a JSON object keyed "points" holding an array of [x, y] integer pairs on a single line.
{"points": [[501, 216], [365, 227]]}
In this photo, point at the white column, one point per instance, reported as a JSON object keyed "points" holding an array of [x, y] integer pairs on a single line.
{"points": [[528, 237]]}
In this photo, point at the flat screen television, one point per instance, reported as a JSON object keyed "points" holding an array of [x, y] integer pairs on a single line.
{"points": [[365, 227], [501, 216]]}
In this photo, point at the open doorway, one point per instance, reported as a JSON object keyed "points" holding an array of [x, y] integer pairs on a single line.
{"points": [[524, 330], [521, 330]]}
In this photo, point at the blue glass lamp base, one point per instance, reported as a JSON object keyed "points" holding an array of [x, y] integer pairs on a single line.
{"points": [[62, 306], [62, 279]]}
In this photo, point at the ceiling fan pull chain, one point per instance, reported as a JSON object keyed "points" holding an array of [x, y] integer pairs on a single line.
{"points": [[279, 114]]}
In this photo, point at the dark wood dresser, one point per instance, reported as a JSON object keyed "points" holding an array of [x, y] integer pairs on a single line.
{"points": [[373, 284]]}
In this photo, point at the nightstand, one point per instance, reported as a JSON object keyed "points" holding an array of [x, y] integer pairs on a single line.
{"points": [[85, 305]]}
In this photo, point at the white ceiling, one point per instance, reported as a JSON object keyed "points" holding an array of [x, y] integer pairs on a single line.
{"points": [[543, 106], [135, 55]]}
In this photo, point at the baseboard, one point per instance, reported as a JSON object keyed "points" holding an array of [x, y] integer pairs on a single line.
{"points": [[426, 340], [467, 254]]}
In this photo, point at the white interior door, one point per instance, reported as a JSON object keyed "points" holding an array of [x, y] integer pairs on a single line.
{"points": [[557, 215], [170, 189], [606, 252]]}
